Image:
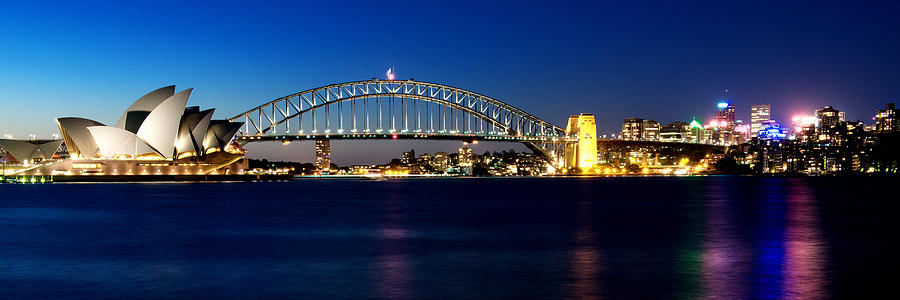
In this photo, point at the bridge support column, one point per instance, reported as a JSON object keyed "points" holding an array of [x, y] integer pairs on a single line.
{"points": [[582, 154]]}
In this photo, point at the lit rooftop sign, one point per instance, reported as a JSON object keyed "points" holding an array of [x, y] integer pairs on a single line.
{"points": [[723, 104]]}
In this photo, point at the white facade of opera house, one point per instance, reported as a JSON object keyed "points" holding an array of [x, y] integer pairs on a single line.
{"points": [[157, 135]]}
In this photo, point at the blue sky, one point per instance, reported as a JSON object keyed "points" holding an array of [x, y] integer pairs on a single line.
{"points": [[663, 60]]}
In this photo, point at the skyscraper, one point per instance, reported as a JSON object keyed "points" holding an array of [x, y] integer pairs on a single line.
{"points": [[323, 154], [725, 114], [759, 113], [886, 119]]}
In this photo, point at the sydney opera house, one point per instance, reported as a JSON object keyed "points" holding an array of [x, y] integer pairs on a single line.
{"points": [[157, 135]]}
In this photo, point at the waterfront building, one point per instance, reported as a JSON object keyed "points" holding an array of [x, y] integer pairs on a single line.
{"points": [[440, 161], [631, 129], [650, 130], [677, 132], [758, 114], [158, 134], [408, 157], [637, 129], [156, 126], [425, 158], [886, 119], [771, 155], [466, 159], [28, 152], [323, 154]]}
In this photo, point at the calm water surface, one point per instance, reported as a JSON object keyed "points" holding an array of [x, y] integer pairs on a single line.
{"points": [[673, 238]]}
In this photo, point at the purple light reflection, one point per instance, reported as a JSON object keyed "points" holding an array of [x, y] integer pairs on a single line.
{"points": [[726, 258], [805, 257]]}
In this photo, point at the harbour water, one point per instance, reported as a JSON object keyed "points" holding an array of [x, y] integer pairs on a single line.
{"points": [[632, 237]]}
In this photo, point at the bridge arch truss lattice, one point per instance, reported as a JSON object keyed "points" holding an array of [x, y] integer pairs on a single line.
{"points": [[390, 108]]}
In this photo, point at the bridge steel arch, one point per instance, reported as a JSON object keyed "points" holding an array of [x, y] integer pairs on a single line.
{"points": [[266, 118], [273, 119]]}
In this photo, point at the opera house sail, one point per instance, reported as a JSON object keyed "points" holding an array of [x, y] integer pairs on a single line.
{"points": [[157, 134]]}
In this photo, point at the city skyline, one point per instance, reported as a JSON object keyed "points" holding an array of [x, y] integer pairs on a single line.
{"points": [[629, 62]]}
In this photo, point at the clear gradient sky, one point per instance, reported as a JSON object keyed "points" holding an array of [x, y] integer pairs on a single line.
{"points": [[662, 60]]}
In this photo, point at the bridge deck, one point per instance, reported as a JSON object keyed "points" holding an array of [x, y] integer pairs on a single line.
{"points": [[398, 136]]}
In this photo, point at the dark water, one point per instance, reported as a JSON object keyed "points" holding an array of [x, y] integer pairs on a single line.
{"points": [[713, 237]]}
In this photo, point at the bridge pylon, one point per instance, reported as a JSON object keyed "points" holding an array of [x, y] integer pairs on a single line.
{"points": [[583, 152]]}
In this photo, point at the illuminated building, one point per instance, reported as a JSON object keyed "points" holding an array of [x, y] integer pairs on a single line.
{"points": [[637, 129], [802, 125], [157, 135], [828, 116], [698, 133], [466, 159], [631, 128], [771, 131], [741, 132], [677, 132], [725, 114], [584, 153], [28, 152], [323, 154], [156, 126], [823, 144], [722, 127], [886, 119], [426, 158], [440, 162], [408, 157], [650, 130], [758, 114]]}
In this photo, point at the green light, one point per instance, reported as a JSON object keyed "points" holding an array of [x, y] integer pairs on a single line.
{"points": [[695, 124]]}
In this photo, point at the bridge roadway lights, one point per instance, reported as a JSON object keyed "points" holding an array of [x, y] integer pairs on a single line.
{"points": [[395, 136]]}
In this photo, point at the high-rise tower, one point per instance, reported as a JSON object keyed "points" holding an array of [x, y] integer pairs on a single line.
{"points": [[323, 154], [759, 113]]}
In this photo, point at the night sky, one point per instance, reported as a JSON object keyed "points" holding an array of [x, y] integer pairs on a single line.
{"points": [[662, 60]]}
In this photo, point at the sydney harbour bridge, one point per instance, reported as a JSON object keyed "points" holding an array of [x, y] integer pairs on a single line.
{"points": [[400, 109]]}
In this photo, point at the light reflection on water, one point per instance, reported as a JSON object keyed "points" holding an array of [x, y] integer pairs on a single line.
{"points": [[586, 257], [674, 238], [805, 260], [726, 257], [394, 273]]}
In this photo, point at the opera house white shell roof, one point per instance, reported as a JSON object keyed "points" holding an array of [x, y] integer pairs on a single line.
{"points": [[157, 125], [22, 151]]}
